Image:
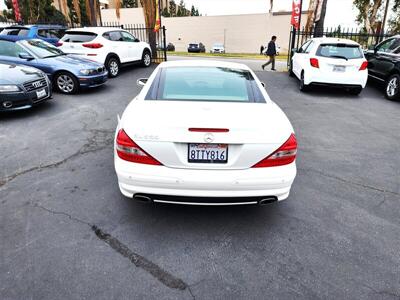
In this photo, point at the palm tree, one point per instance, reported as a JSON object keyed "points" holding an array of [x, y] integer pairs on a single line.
{"points": [[149, 11]]}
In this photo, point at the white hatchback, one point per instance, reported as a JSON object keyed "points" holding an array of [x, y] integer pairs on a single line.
{"points": [[109, 46], [330, 61], [205, 133]]}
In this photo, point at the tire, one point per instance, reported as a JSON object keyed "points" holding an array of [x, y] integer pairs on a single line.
{"points": [[356, 91], [113, 66], [146, 58], [392, 87], [66, 83], [303, 87]]}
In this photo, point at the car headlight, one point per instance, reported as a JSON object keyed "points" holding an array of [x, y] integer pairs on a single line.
{"points": [[4, 88], [87, 71]]}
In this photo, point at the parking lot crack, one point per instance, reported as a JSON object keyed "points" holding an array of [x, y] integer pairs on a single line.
{"points": [[99, 140], [365, 186], [139, 261]]}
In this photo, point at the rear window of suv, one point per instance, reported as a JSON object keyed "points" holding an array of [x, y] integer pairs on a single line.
{"points": [[78, 37], [16, 31], [346, 51]]}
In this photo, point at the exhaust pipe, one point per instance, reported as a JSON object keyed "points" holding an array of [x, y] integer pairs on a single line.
{"points": [[7, 104], [142, 198], [267, 200]]}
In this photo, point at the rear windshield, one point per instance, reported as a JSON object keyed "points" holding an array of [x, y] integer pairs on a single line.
{"points": [[345, 51], [78, 37], [205, 84], [193, 45], [16, 31]]}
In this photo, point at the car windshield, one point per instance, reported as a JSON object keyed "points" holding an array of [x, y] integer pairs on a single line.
{"points": [[16, 31], [218, 45], [42, 49], [344, 51], [193, 45], [207, 84]]}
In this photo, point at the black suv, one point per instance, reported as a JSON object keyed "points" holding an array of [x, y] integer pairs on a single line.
{"points": [[384, 65], [196, 47]]}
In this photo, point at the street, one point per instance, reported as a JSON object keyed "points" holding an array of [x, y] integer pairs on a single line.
{"points": [[68, 233]]}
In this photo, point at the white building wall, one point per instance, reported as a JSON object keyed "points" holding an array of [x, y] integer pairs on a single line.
{"points": [[241, 33]]}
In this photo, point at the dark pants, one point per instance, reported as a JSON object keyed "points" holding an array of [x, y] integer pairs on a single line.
{"points": [[271, 61]]}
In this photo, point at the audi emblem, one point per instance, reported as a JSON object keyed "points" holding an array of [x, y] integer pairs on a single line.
{"points": [[37, 84]]}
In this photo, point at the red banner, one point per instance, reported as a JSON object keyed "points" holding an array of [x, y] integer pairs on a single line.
{"points": [[16, 10], [295, 14]]}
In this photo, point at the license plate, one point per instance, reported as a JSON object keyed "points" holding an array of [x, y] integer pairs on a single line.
{"points": [[339, 68], [208, 153], [41, 94]]}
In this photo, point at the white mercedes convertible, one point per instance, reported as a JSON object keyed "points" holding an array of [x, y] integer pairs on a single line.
{"points": [[205, 133]]}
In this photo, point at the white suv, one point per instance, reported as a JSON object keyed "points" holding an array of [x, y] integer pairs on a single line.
{"points": [[110, 46], [331, 62]]}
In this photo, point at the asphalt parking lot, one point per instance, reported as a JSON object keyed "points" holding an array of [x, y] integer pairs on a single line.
{"points": [[67, 233]]}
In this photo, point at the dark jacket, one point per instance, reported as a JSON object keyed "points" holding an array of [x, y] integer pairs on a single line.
{"points": [[271, 50]]}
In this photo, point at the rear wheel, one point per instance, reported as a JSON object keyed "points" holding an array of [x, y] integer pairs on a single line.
{"points": [[66, 83], [392, 89], [303, 87], [113, 66], [356, 91], [146, 58]]}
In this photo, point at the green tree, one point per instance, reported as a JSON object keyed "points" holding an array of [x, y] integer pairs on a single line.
{"points": [[129, 3], [172, 8], [165, 13], [370, 12], [181, 9], [35, 11], [197, 13], [192, 11]]}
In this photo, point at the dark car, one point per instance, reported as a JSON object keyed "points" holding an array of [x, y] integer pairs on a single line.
{"points": [[22, 87], [170, 47], [67, 72], [384, 65], [48, 33], [196, 47]]}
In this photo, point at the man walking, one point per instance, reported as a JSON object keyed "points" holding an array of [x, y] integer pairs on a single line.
{"points": [[271, 52]]}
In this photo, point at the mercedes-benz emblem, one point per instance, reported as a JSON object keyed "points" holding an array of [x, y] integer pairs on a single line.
{"points": [[208, 138]]}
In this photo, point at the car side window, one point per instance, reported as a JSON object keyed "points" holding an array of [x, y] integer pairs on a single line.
{"points": [[308, 48], [127, 37], [42, 33], [303, 47], [115, 36], [387, 46], [395, 47], [11, 49]]}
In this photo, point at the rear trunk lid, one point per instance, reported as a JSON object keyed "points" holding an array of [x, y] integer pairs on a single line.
{"points": [[162, 129]]}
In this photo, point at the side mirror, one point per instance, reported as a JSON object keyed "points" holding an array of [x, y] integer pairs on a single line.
{"points": [[295, 50], [141, 81], [136, 40], [25, 55]]}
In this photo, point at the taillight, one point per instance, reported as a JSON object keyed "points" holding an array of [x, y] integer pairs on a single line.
{"points": [[58, 44], [128, 150], [364, 66], [93, 45], [314, 62], [285, 155]]}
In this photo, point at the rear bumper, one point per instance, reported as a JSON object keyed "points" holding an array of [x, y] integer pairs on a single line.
{"points": [[188, 185], [338, 80]]}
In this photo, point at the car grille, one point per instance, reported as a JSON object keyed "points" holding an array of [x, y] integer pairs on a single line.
{"points": [[35, 84]]}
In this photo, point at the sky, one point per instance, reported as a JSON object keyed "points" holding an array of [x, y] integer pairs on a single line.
{"points": [[339, 12]]}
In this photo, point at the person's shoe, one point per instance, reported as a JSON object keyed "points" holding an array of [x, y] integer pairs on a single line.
{"points": [[273, 69], [262, 66]]}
